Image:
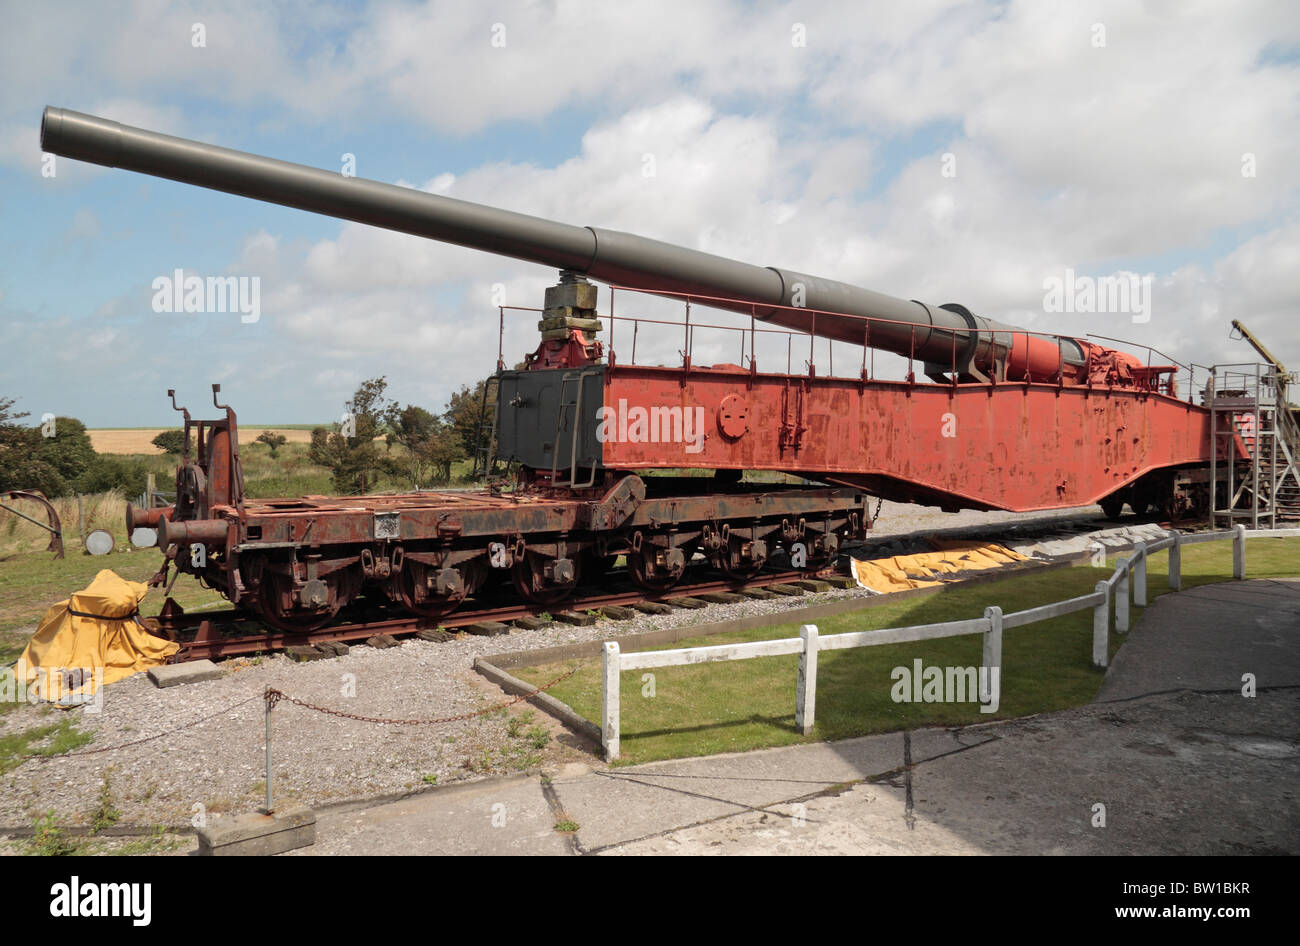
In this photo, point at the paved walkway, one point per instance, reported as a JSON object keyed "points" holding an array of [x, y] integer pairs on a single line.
{"points": [[1173, 756]]}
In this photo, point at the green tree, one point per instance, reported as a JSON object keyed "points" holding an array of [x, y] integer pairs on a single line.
{"points": [[171, 441], [16, 445], [112, 472], [349, 451], [67, 448], [273, 440], [468, 418], [46, 458], [431, 445]]}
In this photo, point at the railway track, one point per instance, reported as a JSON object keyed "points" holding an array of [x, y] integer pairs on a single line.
{"points": [[232, 632]]}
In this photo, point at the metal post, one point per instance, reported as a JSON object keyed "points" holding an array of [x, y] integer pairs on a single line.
{"points": [[805, 707], [609, 701], [1101, 627], [1121, 599], [1239, 552], [1214, 465], [269, 809], [1140, 574]]}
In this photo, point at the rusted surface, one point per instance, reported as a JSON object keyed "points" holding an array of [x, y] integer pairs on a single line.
{"points": [[231, 633], [1018, 447]]}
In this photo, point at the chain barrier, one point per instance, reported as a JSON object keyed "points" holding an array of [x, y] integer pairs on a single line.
{"points": [[138, 742], [273, 696]]}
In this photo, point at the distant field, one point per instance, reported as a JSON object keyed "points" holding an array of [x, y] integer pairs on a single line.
{"points": [[139, 439]]}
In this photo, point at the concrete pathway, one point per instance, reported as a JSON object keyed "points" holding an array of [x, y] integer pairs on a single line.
{"points": [[1171, 759]]}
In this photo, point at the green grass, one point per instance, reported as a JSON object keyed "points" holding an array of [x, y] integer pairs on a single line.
{"points": [[63, 736], [49, 839], [31, 582], [740, 705]]}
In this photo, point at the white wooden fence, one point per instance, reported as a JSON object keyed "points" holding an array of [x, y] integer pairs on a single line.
{"points": [[1129, 577]]}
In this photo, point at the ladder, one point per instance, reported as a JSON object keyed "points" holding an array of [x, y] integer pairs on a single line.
{"points": [[485, 433], [568, 418], [1249, 414]]}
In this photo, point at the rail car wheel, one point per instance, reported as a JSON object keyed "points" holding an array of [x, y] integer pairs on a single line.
{"points": [[743, 560], [1111, 506], [412, 586], [652, 575], [277, 603], [545, 581]]}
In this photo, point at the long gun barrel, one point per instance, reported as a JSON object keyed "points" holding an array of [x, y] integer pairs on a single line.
{"points": [[935, 334]]}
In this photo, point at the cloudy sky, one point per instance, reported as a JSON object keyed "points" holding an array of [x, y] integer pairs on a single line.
{"points": [[945, 151]]}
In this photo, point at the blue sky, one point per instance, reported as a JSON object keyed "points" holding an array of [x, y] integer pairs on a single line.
{"points": [[1103, 157]]}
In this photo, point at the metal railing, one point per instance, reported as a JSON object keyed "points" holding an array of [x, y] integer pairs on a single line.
{"points": [[865, 363], [1129, 579]]}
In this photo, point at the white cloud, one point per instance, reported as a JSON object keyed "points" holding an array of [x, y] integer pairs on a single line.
{"points": [[1068, 155]]}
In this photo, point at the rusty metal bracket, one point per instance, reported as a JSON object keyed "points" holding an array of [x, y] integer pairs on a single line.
{"points": [[55, 527]]}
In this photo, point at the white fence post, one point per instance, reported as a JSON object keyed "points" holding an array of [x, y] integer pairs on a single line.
{"points": [[991, 679], [1140, 574], [805, 709], [1121, 599], [1239, 552], [1176, 561], [609, 701], [1101, 627]]}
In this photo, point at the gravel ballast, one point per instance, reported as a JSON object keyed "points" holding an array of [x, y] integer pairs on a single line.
{"points": [[216, 764]]}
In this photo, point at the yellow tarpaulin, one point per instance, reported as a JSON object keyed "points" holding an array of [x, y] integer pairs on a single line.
{"points": [[92, 639], [884, 575]]}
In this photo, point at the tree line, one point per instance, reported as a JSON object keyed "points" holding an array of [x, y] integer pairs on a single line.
{"points": [[58, 459], [431, 443]]}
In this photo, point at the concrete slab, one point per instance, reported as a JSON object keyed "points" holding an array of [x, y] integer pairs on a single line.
{"points": [[499, 816], [1185, 773], [255, 834], [1207, 638], [193, 671], [622, 804]]}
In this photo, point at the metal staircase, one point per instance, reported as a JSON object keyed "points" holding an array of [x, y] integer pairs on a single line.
{"points": [[1253, 471]]}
